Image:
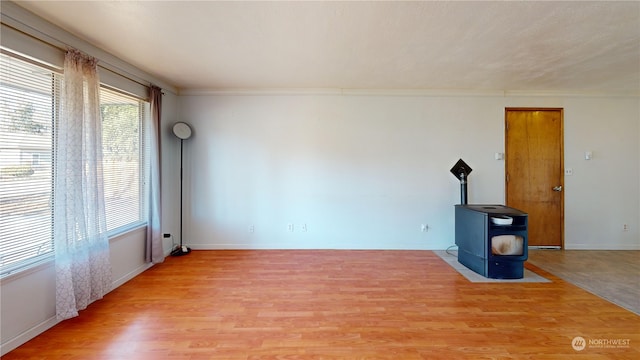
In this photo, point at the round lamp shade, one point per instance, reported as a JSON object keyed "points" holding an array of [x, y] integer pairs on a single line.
{"points": [[182, 130]]}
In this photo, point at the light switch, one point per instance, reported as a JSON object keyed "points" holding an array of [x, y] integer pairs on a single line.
{"points": [[588, 155]]}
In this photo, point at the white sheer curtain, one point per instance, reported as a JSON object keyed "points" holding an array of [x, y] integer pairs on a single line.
{"points": [[154, 250], [83, 269]]}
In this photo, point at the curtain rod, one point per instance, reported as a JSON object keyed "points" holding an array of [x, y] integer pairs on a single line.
{"points": [[63, 46]]}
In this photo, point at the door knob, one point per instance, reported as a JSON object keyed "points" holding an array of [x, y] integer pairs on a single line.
{"points": [[557, 188]]}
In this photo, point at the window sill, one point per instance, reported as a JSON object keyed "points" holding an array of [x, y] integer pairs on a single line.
{"points": [[122, 231], [49, 261], [45, 263]]}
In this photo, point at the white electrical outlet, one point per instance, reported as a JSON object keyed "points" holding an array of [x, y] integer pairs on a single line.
{"points": [[252, 228], [424, 228], [290, 227], [625, 227], [304, 227]]}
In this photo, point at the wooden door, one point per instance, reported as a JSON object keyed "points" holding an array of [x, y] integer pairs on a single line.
{"points": [[534, 171]]}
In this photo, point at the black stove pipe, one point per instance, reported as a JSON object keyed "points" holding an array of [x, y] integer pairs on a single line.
{"points": [[463, 188], [461, 171]]}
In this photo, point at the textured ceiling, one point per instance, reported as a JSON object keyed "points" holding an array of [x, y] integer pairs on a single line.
{"points": [[510, 46]]}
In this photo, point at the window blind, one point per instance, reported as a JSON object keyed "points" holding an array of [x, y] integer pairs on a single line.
{"points": [[28, 94], [124, 158]]}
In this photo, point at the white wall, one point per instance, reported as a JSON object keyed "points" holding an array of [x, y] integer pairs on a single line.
{"points": [[365, 171], [602, 194]]}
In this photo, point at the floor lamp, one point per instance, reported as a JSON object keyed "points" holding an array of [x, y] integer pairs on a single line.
{"points": [[183, 132]]}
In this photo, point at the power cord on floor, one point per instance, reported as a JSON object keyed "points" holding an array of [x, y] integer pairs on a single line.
{"points": [[449, 248]]}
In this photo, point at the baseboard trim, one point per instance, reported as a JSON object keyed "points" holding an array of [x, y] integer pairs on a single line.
{"points": [[53, 321], [27, 335], [135, 272], [615, 247]]}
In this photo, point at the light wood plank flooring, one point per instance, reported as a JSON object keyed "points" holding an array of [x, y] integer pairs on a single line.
{"points": [[613, 275], [336, 305]]}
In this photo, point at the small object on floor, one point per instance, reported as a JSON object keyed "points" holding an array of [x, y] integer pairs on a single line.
{"points": [[180, 250]]}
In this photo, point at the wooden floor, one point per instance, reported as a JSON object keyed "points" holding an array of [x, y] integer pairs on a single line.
{"points": [[336, 305]]}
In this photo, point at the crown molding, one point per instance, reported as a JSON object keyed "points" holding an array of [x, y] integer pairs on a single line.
{"points": [[339, 92], [404, 92], [572, 93]]}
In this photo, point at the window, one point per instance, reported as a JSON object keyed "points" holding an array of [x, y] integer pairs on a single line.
{"points": [[123, 158], [27, 112], [29, 96]]}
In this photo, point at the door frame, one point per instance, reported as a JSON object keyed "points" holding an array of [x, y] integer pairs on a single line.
{"points": [[506, 172]]}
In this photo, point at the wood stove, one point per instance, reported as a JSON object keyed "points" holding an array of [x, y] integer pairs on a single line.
{"points": [[492, 240]]}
